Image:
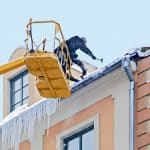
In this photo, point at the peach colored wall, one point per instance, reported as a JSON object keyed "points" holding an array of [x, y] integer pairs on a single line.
{"points": [[142, 103], [104, 108], [25, 146]]}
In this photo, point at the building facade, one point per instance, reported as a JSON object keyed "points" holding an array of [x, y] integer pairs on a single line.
{"points": [[109, 109]]}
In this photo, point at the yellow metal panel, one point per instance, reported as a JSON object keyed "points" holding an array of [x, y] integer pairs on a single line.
{"points": [[54, 73], [62, 92], [51, 81], [12, 65], [58, 83], [59, 93]]}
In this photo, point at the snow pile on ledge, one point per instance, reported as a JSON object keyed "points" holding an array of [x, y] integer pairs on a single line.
{"points": [[23, 120]]}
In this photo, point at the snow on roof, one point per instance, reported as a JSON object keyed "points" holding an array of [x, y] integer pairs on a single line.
{"points": [[136, 52]]}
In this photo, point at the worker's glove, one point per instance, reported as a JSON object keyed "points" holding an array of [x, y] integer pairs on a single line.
{"points": [[93, 57]]}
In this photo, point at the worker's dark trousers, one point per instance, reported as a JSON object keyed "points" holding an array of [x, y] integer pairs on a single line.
{"points": [[79, 63], [69, 77]]}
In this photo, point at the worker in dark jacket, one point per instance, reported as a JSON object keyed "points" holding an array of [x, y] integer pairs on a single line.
{"points": [[75, 43]]}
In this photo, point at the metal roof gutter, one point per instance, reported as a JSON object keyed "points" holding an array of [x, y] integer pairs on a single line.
{"points": [[87, 80], [127, 67]]}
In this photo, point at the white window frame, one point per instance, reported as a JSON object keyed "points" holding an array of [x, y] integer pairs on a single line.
{"points": [[95, 120]]}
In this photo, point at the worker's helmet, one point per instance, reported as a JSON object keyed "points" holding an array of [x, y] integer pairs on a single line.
{"points": [[84, 39]]}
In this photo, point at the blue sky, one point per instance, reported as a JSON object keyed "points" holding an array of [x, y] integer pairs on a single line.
{"points": [[111, 27]]}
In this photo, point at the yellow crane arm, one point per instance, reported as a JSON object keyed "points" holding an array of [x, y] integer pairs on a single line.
{"points": [[12, 65]]}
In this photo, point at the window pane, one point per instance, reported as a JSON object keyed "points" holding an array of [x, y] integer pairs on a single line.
{"points": [[25, 92], [17, 84], [73, 144], [25, 79], [19, 90], [17, 105], [25, 101], [88, 141], [17, 97]]}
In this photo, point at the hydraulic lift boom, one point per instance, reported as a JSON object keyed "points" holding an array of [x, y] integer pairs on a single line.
{"points": [[12, 65]]}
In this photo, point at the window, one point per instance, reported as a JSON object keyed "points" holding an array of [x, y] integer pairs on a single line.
{"points": [[83, 140], [19, 93]]}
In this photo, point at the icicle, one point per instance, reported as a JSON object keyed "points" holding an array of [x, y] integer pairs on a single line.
{"points": [[22, 122]]}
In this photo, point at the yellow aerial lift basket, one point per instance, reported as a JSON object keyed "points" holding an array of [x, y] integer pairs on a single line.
{"points": [[51, 79]]}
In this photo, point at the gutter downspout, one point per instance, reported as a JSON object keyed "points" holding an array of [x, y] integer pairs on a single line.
{"points": [[127, 67]]}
